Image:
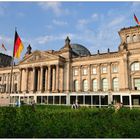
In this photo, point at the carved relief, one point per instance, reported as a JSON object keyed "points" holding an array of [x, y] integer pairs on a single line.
{"points": [[39, 56]]}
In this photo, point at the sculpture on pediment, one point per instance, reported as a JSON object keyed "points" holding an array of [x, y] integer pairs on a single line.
{"points": [[29, 48]]}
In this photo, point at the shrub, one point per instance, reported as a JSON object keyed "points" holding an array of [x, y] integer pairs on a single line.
{"points": [[64, 122]]}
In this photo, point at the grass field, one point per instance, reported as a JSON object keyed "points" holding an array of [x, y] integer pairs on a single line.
{"points": [[64, 122]]}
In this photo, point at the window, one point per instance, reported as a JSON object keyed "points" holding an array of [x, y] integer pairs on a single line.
{"points": [[104, 69], [94, 71], [15, 87], [85, 85], [76, 85], [135, 38], [114, 68], [135, 66], [4, 88], [104, 84], [15, 77], [84, 71], [128, 39], [94, 85], [115, 84], [75, 72], [137, 84], [4, 78]]}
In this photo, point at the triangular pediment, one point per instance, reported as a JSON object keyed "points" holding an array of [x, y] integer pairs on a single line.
{"points": [[38, 56]]}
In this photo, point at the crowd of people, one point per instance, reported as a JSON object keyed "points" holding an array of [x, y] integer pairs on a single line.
{"points": [[117, 106], [75, 105], [21, 103]]}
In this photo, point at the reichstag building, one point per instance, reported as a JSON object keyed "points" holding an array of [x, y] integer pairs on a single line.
{"points": [[73, 73]]}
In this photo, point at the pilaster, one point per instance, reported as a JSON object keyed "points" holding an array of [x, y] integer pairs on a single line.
{"points": [[89, 78]]}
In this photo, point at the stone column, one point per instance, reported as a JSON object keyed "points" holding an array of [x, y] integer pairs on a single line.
{"points": [[7, 83], [49, 78], [62, 78], [46, 80], [99, 77], [33, 79], [68, 78], [4, 83], [27, 70], [109, 77], [23, 85], [13, 82], [126, 73], [80, 79], [19, 81], [22, 71], [41, 79], [89, 78], [57, 78], [54, 79]]}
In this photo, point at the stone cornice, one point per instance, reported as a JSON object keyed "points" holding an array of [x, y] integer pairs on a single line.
{"points": [[5, 55], [9, 68], [129, 28], [99, 56]]}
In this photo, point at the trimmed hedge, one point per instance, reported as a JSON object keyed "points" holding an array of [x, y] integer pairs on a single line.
{"points": [[64, 122]]}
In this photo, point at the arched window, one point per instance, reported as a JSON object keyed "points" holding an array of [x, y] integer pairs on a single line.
{"points": [[128, 39], [85, 85], [135, 38], [75, 85], [104, 84], [94, 85], [115, 84], [135, 66]]}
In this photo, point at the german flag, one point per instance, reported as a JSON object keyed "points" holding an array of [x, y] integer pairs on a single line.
{"points": [[136, 19], [3, 47], [18, 46]]}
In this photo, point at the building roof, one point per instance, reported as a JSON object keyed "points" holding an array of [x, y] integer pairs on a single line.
{"points": [[79, 50]]}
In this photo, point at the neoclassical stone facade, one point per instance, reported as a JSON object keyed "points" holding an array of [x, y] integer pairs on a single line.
{"points": [[73, 73]]}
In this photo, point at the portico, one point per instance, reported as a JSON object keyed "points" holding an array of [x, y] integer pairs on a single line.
{"points": [[41, 79]]}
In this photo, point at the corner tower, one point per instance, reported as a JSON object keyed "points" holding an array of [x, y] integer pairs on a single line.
{"points": [[130, 38]]}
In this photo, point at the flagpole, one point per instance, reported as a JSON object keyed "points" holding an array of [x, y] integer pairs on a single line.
{"points": [[12, 66]]}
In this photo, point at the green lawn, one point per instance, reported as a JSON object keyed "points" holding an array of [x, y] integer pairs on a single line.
{"points": [[64, 122]]}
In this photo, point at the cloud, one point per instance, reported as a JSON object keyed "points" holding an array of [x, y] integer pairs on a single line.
{"points": [[116, 21], [81, 23], [106, 33], [55, 7], [42, 40], [49, 27], [95, 16], [2, 9], [20, 14], [59, 23], [135, 7], [135, 4]]}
